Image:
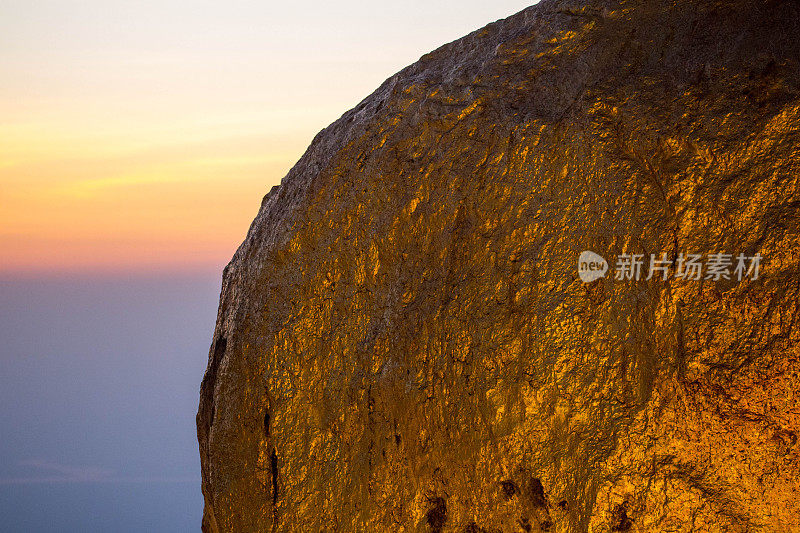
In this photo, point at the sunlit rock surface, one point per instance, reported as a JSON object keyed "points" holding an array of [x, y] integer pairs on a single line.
{"points": [[403, 341]]}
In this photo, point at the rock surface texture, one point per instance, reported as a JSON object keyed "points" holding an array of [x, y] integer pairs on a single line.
{"points": [[403, 341]]}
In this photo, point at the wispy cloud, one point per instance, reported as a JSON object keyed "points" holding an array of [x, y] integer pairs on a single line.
{"points": [[49, 472]]}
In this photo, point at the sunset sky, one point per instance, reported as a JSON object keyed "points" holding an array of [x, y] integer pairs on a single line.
{"points": [[142, 135], [136, 142]]}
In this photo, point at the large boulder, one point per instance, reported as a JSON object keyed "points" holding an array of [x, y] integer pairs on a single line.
{"points": [[405, 341]]}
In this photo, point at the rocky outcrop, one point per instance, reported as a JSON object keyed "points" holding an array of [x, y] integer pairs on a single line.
{"points": [[404, 342]]}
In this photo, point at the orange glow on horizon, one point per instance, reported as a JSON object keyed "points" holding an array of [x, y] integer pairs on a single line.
{"points": [[163, 207]]}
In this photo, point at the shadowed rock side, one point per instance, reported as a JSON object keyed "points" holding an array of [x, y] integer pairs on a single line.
{"points": [[403, 343]]}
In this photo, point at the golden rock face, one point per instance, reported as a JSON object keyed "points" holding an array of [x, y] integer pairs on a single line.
{"points": [[403, 341]]}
